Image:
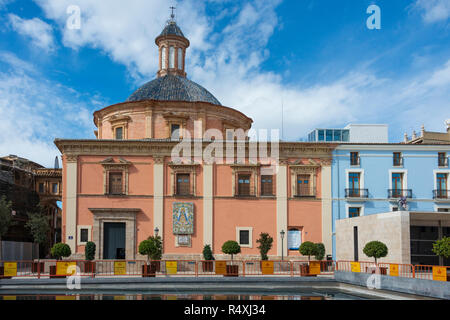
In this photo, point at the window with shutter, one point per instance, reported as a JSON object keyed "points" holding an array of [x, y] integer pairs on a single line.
{"points": [[183, 184], [244, 185], [115, 183], [267, 185]]}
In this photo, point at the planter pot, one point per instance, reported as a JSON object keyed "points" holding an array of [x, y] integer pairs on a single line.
{"points": [[149, 271], [53, 273], [304, 270], [2, 272], [89, 267], [232, 271], [35, 266], [373, 270], [207, 266], [157, 265]]}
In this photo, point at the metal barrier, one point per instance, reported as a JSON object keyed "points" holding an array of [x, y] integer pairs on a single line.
{"points": [[397, 270]]}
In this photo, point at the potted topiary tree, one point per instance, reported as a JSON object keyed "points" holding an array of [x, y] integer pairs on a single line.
{"points": [[231, 247], [207, 264], [376, 249], [89, 254], [309, 249], [320, 254], [152, 248], [442, 248], [59, 251], [265, 244]]}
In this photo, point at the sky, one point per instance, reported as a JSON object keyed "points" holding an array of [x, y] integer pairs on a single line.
{"points": [[315, 59]]}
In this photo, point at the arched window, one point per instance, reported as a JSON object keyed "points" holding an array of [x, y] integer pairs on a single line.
{"points": [[171, 57], [163, 58], [180, 59]]}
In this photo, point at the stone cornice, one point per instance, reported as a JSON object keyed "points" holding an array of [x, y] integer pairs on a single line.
{"points": [[163, 148]]}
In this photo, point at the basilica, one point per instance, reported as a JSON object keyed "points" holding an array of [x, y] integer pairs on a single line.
{"points": [[124, 185]]}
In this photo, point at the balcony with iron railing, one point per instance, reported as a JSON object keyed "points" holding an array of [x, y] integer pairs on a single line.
{"points": [[443, 162], [397, 162], [399, 193], [305, 192], [441, 194], [357, 193]]}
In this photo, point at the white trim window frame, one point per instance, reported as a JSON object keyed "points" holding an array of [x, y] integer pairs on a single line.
{"points": [[250, 236], [89, 229], [348, 206]]}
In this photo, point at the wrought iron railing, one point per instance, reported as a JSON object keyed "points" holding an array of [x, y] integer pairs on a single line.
{"points": [[399, 193], [356, 193], [441, 194]]}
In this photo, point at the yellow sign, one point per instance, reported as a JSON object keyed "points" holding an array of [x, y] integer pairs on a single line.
{"points": [[9, 298], [62, 298], [10, 269], [171, 267], [393, 270], [61, 268], [267, 267], [314, 267], [120, 268], [120, 298], [356, 266], [440, 273], [221, 267]]}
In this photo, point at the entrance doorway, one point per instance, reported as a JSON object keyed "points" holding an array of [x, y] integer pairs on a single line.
{"points": [[114, 241]]}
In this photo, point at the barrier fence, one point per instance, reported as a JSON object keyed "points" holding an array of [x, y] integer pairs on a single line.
{"points": [[426, 272], [142, 268], [195, 268]]}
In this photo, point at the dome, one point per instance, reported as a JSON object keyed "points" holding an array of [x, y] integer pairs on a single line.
{"points": [[173, 88], [172, 29]]}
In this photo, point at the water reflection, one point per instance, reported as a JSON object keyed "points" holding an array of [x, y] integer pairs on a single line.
{"points": [[167, 297]]}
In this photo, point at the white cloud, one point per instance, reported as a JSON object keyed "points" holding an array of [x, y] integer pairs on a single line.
{"points": [[434, 10], [227, 61], [34, 111], [40, 33]]}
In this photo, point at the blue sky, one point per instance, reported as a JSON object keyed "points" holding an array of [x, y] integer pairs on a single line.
{"points": [[315, 57]]}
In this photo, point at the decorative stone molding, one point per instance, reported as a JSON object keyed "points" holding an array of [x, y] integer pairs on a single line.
{"points": [[252, 170], [190, 169], [158, 159], [310, 170], [71, 158], [123, 215], [110, 166]]}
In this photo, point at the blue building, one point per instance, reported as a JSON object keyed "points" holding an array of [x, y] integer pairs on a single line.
{"points": [[369, 179]]}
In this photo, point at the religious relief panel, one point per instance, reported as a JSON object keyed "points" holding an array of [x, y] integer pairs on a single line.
{"points": [[183, 218]]}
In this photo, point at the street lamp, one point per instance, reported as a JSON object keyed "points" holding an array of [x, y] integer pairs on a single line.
{"points": [[282, 233], [156, 231]]}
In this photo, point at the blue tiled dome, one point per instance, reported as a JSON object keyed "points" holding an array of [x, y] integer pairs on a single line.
{"points": [[173, 88], [172, 29]]}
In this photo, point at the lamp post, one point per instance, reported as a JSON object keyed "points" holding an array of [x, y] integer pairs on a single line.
{"points": [[282, 233], [156, 231]]}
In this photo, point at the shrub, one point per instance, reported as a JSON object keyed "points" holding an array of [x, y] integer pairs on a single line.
{"points": [[375, 249], [89, 251], [207, 253], [320, 254], [231, 247], [265, 244], [308, 248], [442, 247], [60, 250], [152, 248]]}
